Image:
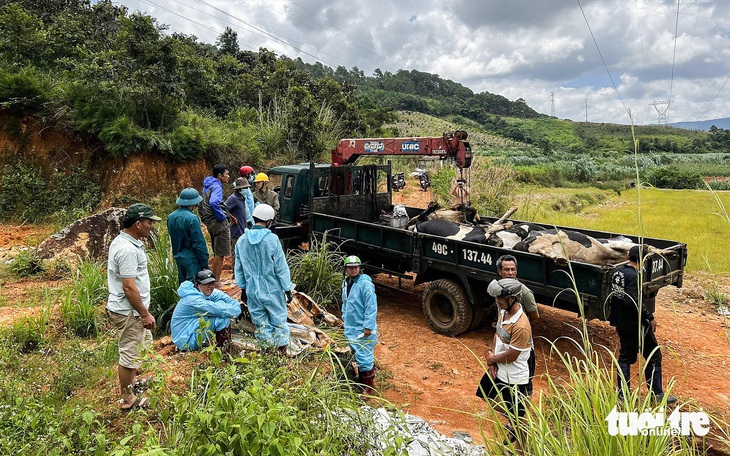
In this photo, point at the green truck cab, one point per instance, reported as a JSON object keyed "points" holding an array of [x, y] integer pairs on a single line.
{"points": [[351, 204]]}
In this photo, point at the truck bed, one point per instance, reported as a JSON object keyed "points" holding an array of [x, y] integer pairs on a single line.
{"points": [[397, 251]]}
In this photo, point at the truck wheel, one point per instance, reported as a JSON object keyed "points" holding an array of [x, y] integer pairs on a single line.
{"points": [[447, 309], [480, 311]]}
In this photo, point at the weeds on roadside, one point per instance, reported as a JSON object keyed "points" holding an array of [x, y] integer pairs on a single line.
{"points": [[29, 333], [26, 264], [80, 301], [318, 271], [163, 280], [263, 406]]}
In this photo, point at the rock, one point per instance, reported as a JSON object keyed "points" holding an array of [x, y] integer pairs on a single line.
{"points": [[88, 237]]}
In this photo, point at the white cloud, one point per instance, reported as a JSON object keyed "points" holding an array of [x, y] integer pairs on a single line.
{"points": [[518, 48]]}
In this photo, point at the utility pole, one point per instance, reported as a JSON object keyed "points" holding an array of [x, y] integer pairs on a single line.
{"points": [[552, 104], [662, 112], [586, 103]]}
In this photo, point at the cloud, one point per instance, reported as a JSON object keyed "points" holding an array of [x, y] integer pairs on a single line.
{"points": [[519, 49]]}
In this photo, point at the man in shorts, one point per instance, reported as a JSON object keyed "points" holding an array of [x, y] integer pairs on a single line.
{"points": [[129, 297]]}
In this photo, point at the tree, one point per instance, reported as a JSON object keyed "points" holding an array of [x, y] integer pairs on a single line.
{"points": [[227, 42]]}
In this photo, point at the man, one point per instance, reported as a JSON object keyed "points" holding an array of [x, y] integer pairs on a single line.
{"points": [[265, 280], [634, 325], [507, 269], [359, 312], [201, 301], [129, 297], [236, 206], [188, 244], [508, 374], [215, 218], [262, 194]]}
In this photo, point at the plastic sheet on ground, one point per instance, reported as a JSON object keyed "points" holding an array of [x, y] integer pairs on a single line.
{"points": [[423, 440]]}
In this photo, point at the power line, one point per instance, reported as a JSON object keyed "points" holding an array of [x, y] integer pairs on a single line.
{"points": [[714, 98], [364, 45], [641, 35], [674, 59], [602, 59], [266, 33]]}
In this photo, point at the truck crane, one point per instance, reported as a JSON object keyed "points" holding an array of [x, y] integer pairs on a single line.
{"points": [[449, 145]]}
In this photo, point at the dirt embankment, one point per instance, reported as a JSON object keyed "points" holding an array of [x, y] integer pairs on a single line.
{"points": [[52, 149]]}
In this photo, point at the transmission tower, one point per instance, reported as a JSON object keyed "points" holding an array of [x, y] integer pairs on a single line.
{"points": [[552, 104], [586, 103], [661, 110]]}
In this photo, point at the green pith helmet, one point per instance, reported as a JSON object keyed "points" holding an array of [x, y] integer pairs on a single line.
{"points": [[352, 260]]}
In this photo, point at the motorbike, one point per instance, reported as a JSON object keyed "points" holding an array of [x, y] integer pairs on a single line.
{"points": [[398, 181], [423, 180]]}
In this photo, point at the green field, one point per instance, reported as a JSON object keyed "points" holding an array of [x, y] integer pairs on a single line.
{"points": [[689, 216]]}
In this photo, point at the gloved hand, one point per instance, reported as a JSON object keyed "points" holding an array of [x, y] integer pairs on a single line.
{"points": [[288, 296]]}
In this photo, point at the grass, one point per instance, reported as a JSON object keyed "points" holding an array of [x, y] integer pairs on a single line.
{"points": [[683, 215]]}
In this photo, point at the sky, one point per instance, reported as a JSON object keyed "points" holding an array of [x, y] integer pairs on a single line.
{"points": [[600, 60]]}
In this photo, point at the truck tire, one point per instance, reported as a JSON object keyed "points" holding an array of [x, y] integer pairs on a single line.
{"points": [[478, 317], [446, 307]]}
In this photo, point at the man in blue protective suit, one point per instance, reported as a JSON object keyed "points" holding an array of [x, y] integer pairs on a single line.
{"points": [[359, 311], [263, 275], [201, 301], [188, 244], [247, 173]]}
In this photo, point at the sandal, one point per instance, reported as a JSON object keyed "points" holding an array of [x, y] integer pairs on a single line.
{"points": [[139, 403]]}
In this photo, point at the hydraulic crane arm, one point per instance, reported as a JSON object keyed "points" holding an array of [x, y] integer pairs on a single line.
{"points": [[450, 145]]}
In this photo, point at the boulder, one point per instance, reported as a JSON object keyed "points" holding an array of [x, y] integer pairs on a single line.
{"points": [[88, 237]]}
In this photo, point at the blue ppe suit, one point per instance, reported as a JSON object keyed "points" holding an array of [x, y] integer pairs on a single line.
{"points": [[188, 244], [248, 195], [216, 309], [359, 311], [262, 271]]}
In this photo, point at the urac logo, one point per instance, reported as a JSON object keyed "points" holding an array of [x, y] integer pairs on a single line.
{"points": [[646, 423]]}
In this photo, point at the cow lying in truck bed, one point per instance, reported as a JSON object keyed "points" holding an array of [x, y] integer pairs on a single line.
{"points": [[558, 245], [564, 245]]}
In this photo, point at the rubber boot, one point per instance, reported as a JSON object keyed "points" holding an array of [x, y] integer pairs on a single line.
{"points": [[623, 376], [653, 373], [223, 338], [367, 378]]}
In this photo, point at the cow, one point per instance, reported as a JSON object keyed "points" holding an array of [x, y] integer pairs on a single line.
{"points": [[566, 245], [460, 213], [510, 237], [452, 230]]}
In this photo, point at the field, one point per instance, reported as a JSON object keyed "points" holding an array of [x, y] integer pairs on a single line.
{"points": [[689, 216]]}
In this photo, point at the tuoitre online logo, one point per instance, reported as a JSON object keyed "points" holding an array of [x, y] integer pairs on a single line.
{"points": [[647, 423]]}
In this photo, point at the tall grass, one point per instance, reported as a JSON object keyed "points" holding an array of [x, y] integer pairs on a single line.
{"points": [[318, 271], [80, 301], [163, 280]]}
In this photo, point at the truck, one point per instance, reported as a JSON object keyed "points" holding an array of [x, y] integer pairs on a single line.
{"points": [[352, 205]]}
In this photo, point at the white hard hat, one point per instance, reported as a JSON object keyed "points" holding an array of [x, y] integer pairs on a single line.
{"points": [[264, 212], [504, 288]]}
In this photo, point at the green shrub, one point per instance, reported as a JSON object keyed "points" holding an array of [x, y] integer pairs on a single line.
{"points": [[673, 177], [163, 280], [26, 264], [186, 143], [21, 90], [717, 184], [318, 271], [27, 196], [254, 408], [29, 333], [80, 302]]}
